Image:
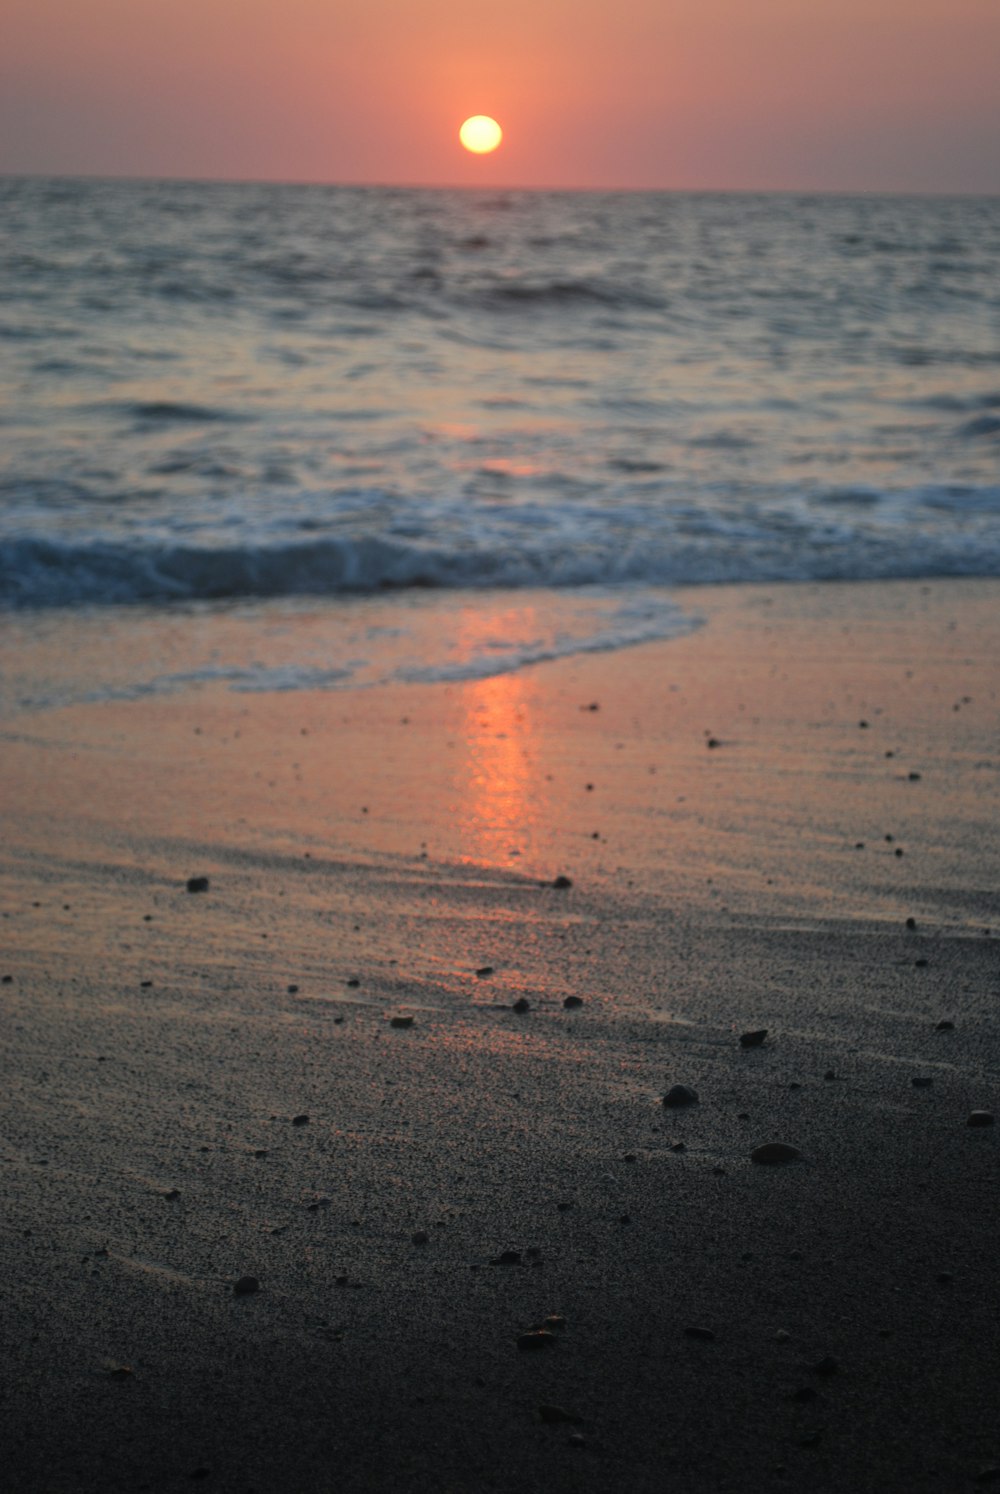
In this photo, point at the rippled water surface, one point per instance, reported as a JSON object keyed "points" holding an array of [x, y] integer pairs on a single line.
{"points": [[234, 391]]}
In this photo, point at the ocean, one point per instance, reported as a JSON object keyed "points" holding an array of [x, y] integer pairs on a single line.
{"points": [[263, 401]]}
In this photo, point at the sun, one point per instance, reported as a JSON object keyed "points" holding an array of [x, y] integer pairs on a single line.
{"points": [[480, 134]]}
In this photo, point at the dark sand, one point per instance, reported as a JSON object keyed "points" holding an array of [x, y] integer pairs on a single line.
{"points": [[155, 1058]]}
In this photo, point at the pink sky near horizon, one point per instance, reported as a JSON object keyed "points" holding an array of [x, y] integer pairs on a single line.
{"points": [[840, 95]]}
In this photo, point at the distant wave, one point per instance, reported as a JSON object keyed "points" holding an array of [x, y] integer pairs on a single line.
{"points": [[538, 294]]}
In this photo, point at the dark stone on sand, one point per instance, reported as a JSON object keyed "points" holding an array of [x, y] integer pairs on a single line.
{"points": [[829, 1076], [7, 980], [260, 1152], [561, 883], [680, 1095], [420, 1237], [553, 1415], [989, 1475], [246, 1286], [400, 1021], [575, 1440], [293, 990], [713, 742], [753, 1039], [120, 1372], [981, 1118], [630, 1157], [145, 984], [921, 1081], [197, 884], [679, 1146], [706, 1335], [521, 1005], [507, 1258], [913, 777], [863, 725], [485, 970], [944, 1026], [172, 1195], [805, 1393], [538, 1338], [911, 923], [353, 983], [554, 1322], [898, 851], [920, 964], [826, 1366], [572, 1002], [775, 1154], [300, 1120]]}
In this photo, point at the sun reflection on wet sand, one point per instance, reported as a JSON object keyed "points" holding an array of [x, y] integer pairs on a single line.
{"points": [[497, 800], [498, 805]]}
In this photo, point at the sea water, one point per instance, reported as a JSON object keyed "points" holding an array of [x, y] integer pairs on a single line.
{"points": [[257, 396]]}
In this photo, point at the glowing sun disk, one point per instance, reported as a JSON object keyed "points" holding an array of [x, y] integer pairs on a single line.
{"points": [[480, 134]]}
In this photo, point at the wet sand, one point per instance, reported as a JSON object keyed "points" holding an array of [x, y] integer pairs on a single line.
{"points": [[202, 1087]]}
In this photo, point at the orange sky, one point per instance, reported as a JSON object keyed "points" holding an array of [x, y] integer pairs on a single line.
{"points": [[889, 95]]}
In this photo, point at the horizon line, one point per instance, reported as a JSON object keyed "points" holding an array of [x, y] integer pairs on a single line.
{"points": [[389, 186]]}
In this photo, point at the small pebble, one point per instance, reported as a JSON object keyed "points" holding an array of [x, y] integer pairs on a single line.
{"points": [[774, 1153], [680, 1095], [353, 983], [507, 1258], [945, 1026], [538, 1338], [572, 1002], [826, 1366], [521, 1005], [485, 970], [197, 884], [911, 923], [921, 1081], [805, 1393], [829, 1076], [678, 1146], [980, 1118], [782, 1335], [753, 1039], [561, 883], [293, 990], [705, 1334], [300, 1120], [172, 1195], [246, 1286], [400, 1021], [420, 1237], [920, 964], [120, 1372]]}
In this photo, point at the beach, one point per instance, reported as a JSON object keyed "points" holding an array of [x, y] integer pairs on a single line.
{"points": [[346, 1165]]}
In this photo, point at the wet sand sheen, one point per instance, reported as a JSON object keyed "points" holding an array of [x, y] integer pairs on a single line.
{"points": [[200, 1089]]}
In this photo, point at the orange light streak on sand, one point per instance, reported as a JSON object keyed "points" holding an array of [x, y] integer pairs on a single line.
{"points": [[497, 796], [498, 807]]}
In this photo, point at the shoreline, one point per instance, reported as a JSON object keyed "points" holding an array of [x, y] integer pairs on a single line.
{"points": [[379, 851]]}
